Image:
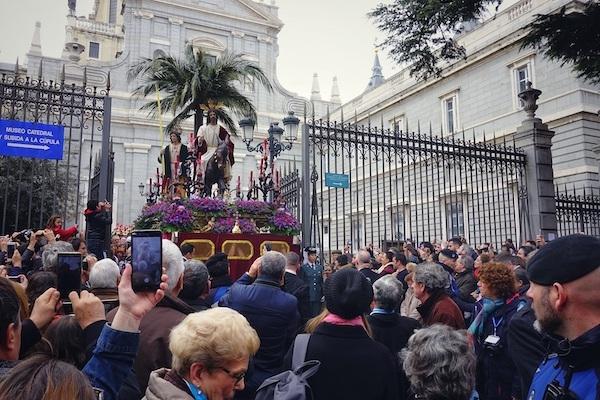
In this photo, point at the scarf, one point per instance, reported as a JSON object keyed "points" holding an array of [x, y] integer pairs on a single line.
{"points": [[337, 320], [489, 306]]}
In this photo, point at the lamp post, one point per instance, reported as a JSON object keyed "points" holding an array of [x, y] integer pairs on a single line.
{"points": [[151, 195], [279, 139]]}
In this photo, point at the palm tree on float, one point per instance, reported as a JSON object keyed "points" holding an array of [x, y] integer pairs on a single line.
{"points": [[195, 82]]}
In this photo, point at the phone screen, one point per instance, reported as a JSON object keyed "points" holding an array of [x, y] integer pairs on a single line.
{"points": [[146, 260], [69, 273], [10, 249]]}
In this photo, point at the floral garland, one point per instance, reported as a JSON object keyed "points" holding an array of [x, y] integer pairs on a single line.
{"points": [[206, 214]]}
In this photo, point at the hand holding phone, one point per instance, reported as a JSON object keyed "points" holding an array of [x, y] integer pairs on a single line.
{"points": [[146, 260]]}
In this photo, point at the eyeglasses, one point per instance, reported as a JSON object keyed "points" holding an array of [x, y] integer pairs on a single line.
{"points": [[238, 377]]}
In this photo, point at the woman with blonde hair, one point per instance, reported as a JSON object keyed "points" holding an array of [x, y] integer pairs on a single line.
{"points": [[409, 305], [211, 350]]}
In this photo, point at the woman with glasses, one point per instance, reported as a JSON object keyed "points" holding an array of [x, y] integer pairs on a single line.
{"points": [[211, 350]]}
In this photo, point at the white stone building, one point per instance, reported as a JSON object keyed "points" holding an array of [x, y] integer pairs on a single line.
{"points": [[479, 94]]}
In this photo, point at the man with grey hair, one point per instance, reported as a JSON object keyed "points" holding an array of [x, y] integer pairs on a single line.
{"points": [[296, 286], [429, 286], [50, 254], [388, 326], [363, 264], [273, 313], [156, 325], [195, 285], [464, 278], [440, 364], [104, 279]]}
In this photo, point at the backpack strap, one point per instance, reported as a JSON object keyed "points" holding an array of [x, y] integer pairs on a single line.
{"points": [[299, 352]]}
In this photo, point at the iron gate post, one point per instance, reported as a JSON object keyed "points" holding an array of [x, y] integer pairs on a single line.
{"points": [[535, 139], [306, 204], [105, 184]]}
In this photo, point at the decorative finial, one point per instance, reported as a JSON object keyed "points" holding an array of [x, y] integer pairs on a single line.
{"points": [[529, 97]]}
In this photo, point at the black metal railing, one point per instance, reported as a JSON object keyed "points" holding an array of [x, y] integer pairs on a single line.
{"points": [[34, 189], [413, 185], [578, 210], [290, 191]]}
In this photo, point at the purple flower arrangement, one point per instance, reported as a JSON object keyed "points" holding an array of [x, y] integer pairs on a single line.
{"points": [[253, 207], [285, 222], [187, 215], [225, 225], [207, 204], [177, 218]]}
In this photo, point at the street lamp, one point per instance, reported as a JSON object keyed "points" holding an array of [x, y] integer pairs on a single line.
{"points": [[273, 145], [151, 195]]}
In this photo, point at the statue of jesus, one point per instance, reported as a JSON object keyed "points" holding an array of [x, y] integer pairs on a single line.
{"points": [[210, 136]]}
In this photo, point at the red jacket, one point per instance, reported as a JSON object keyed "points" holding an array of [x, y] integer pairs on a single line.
{"points": [[440, 309], [65, 234]]}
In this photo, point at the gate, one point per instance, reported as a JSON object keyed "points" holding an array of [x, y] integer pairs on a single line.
{"points": [[34, 189], [578, 211], [380, 187]]}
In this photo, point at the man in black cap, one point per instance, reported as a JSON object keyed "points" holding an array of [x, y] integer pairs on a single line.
{"points": [[565, 277], [312, 274]]}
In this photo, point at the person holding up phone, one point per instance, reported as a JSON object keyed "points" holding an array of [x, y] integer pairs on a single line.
{"points": [[98, 218]]}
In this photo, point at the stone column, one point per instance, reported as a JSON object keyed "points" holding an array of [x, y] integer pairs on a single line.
{"points": [[535, 139]]}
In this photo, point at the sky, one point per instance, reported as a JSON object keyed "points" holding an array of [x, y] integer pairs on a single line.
{"points": [[328, 37]]}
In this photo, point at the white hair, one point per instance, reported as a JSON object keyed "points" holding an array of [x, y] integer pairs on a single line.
{"points": [[172, 262], [104, 274]]}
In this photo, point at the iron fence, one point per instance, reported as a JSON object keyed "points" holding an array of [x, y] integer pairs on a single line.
{"points": [[578, 210], [412, 185], [34, 189], [290, 191]]}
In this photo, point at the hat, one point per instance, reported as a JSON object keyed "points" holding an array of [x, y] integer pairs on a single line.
{"points": [[564, 260], [217, 265], [311, 250], [348, 293], [449, 253]]}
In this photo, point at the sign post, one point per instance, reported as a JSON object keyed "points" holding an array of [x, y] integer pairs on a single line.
{"points": [[30, 139]]}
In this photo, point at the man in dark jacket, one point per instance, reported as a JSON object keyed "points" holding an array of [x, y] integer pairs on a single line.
{"points": [[295, 286], [389, 327], [98, 218], [465, 281], [220, 281], [565, 276], [269, 310]]}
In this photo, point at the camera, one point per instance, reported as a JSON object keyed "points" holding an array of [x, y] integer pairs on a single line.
{"points": [[24, 235], [492, 344], [554, 391]]}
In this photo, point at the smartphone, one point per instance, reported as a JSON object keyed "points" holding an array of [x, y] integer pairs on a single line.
{"points": [[146, 260], [69, 273], [15, 278], [84, 265], [10, 249]]}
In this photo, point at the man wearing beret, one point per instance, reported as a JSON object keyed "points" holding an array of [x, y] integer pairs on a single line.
{"points": [[565, 290], [312, 274]]}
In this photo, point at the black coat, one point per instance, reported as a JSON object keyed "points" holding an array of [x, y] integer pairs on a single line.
{"points": [[353, 366], [295, 286], [525, 346], [96, 223], [393, 331], [496, 373]]}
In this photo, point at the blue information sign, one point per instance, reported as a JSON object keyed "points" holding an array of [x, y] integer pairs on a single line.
{"points": [[30, 139], [337, 180]]}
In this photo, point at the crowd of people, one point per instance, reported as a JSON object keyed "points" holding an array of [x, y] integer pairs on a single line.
{"points": [[421, 321]]}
